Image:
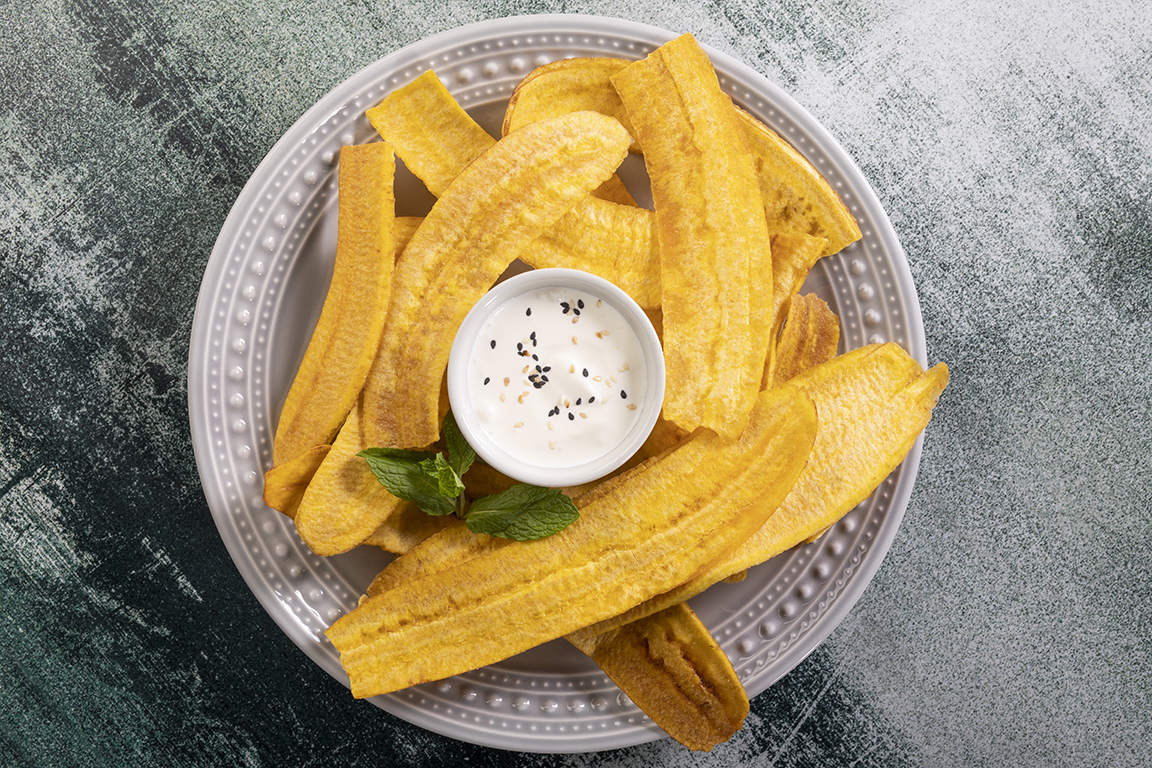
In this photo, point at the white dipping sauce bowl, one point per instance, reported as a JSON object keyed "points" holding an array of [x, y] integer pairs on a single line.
{"points": [[468, 342]]}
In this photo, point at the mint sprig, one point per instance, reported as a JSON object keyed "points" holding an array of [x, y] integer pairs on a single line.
{"points": [[522, 513], [435, 484]]}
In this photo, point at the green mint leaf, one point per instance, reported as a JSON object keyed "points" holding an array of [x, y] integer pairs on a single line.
{"points": [[460, 453], [449, 481], [522, 513], [403, 474]]}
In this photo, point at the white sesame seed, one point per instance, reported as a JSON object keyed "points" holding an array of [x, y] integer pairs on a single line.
{"points": [[522, 396], [583, 415], [519, 424], [631, 406], [550, 424]]}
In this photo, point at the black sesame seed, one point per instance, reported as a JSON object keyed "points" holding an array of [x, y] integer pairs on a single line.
{"points": [[576, 312], [578, 400], [547, 368], [580, 303], [585, 371], [534, 357], [543, 378], [571, 417], [533, 336], [487, 379], [493, 343], [537, 367], [592, 399], [519, 347], [529, 312], [623, 395]]}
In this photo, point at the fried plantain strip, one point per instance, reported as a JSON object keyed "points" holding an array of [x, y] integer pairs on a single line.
{"points": [[568, 85], [615, 242], [662, 523], [344, 503], [672, 668], [796, 197], [407, 528], [810, 337], [284, 484], [709, 222], [344, 342], [792, 258], [500, 203], [873, 402]]}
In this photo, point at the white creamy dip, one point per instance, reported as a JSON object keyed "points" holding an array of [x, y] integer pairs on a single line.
{"points": [[556, 377]]}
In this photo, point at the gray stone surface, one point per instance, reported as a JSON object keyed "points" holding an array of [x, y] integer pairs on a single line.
{"points": [[1010, 146]]}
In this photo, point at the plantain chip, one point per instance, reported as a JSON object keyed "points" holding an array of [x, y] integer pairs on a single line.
{"points": [[284, 484], [344, 342], [873, 403], [672, 668], [659, 525], [568, 85], [615, 242], [709, 223], [796, 197], [500, 203], [810, 337], [344, 502], [407, 528]]}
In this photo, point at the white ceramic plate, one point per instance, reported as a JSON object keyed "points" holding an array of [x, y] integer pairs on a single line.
{"points": [[260, 298]]}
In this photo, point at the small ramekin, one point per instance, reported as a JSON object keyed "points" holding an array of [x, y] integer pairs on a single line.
{"points": [[467, 339]]}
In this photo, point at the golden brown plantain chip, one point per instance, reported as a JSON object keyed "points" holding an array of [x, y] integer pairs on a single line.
{"points": [[344, 503], [873, 403], [810, 337], [500, 203], [672, 668], [660, 524], [615, 242], [430, 131], [796, 197], [568, 85], [344, 342], [406, 528], [709, 223], [284, 484]]}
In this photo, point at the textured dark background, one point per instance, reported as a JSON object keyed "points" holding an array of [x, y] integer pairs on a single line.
{"points": [[1011, 147]]}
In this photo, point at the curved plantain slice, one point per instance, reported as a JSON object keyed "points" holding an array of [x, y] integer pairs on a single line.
{"points": [[792, 258], [407, 528], [500, 203], [710, 227], [796, 197], [615, 242], [568, 85], [810, 337], [284, 485], [431, 132], [344, 342], [660, 524], [873, 404], [671, 668], [344, 503]]}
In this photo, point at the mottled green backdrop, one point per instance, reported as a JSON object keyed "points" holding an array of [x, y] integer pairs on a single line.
{"points": [[1010, 145]]}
